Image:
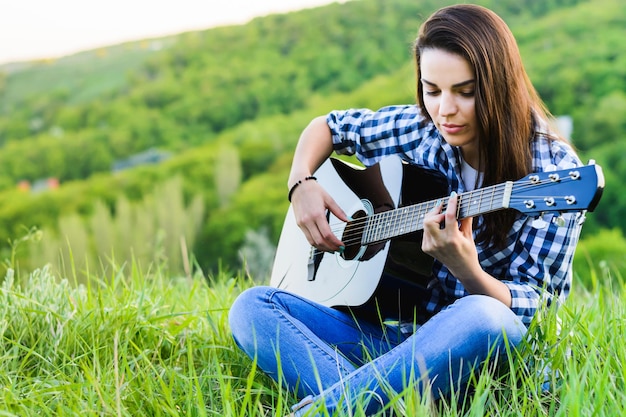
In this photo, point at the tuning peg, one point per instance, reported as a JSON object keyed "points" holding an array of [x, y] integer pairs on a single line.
{"points": [[582, 217]]}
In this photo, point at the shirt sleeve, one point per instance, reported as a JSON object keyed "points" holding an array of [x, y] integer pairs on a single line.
{"points": [[540, 270], [374, 134]]}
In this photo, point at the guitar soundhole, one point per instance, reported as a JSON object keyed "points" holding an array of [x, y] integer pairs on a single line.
{"points": [[353, 236]]}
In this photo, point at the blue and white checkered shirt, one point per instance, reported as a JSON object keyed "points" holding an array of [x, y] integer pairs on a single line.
{"points": [[536, 263]]}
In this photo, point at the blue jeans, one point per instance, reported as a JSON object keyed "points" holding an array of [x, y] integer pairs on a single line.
{"points": [[330, 357]]}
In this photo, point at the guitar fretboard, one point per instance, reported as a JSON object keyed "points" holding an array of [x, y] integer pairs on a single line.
{"points": [[408, 219]]}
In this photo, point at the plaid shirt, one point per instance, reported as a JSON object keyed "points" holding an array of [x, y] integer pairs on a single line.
{"points": [[536, 263]]}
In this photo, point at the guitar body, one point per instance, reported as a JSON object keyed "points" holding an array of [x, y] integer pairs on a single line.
{"points": [[392, 274]]}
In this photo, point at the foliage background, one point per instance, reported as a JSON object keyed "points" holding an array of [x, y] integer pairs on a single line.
{"points": [[225, 107]]}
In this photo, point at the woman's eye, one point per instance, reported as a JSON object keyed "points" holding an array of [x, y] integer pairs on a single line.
{"points": [[432, 92], [467, 93]]}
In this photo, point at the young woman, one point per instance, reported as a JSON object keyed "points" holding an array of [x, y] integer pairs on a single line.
{"points": [[480, 122]]}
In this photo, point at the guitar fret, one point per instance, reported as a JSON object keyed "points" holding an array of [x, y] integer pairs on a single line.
{"points": [[367, 231], [385, 225], [463, 205], [416, 218], [393, 225], [465, 209], [396, 222], [407, 220], [480, 200], [400, 221], [382, 225], [376, 231], [473, 205], [389, 224], [420, 215]]}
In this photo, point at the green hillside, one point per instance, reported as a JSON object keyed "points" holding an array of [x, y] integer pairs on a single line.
{"points": [[79, 78], [227, 105]]}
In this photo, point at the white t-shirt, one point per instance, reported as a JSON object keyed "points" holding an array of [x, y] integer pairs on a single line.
{"points": [[468, 175]]}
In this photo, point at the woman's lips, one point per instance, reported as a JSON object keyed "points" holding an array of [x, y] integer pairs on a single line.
{"points": [[451, 128]]}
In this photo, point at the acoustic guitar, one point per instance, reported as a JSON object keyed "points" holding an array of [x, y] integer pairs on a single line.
{"points": [[382, 261]]}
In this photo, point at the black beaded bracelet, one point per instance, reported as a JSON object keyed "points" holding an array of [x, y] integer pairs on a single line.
{"points": [[293, 187]]}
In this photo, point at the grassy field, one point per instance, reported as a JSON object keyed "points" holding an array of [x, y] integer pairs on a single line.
{"points": [[135, 342]]}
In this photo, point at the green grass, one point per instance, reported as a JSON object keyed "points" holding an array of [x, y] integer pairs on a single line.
{"points": [[138, 342]]}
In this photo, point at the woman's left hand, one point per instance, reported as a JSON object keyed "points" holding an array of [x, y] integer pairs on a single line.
{"points": [[451, 241]]}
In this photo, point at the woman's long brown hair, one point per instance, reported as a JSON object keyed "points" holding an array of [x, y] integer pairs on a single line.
{"points": [[508, 108]]}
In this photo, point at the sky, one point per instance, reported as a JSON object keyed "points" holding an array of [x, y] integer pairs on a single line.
{"points": [[37, 29]]}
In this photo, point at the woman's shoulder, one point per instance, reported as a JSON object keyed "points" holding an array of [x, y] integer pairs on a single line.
{"points": [[551, 153], [406, 112], [404, 122]]}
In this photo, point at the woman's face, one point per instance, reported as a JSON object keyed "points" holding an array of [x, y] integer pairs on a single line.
{"points": [[448, 87]]}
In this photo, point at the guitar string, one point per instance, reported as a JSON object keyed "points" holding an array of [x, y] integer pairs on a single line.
{"points": [[414, 210], [354, 233], [412, 213]]}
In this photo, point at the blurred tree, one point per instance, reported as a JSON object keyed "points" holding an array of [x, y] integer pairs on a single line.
{"points": [[227, 173]]}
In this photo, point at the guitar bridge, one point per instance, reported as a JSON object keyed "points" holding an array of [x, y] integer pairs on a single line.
{"points": [[313, 264], [310, 266]]}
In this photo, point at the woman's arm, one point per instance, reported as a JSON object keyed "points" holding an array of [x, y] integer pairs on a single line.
{"points": [[309, 200], [368, 134]]}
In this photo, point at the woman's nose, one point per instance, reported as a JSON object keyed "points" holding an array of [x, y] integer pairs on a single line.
{"points": [[447, 104]]}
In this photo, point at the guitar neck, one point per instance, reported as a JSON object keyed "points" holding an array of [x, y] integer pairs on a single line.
{"points": [[389, 224]]}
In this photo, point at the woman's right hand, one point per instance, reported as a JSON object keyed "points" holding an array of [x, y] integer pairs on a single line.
{"points": [[310, 203], [309, 200]]}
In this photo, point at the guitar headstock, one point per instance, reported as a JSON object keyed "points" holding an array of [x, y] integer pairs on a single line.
{"points": [[567, 190]]}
